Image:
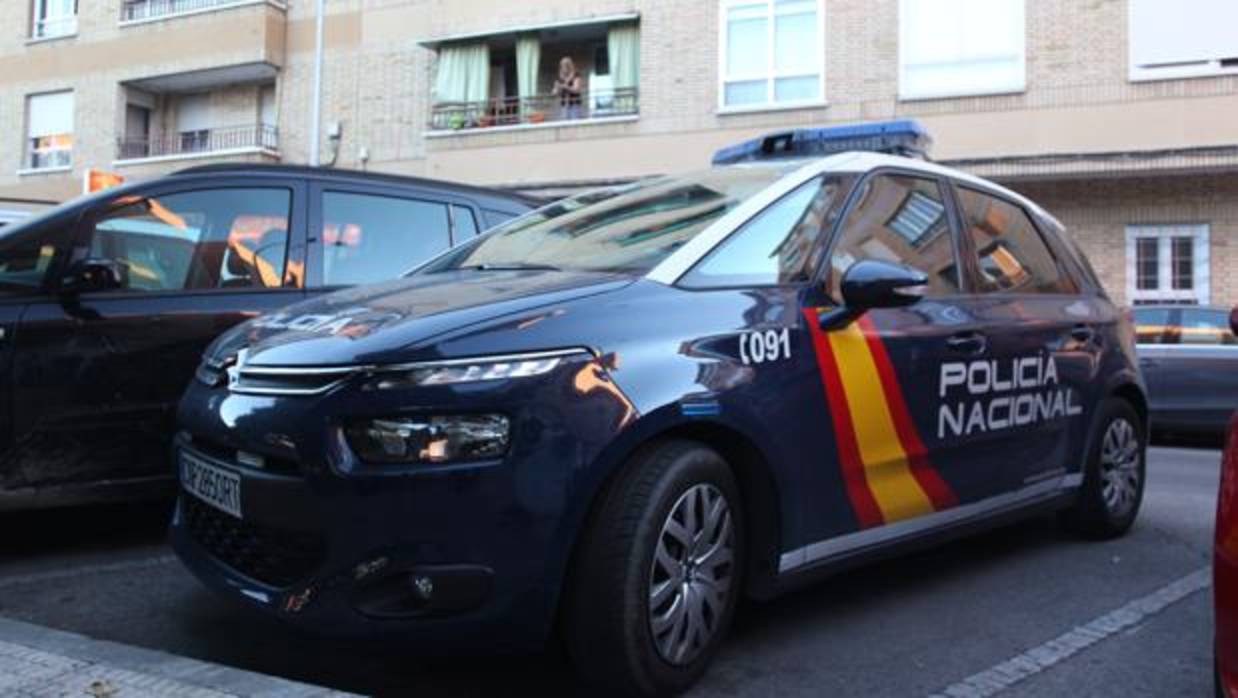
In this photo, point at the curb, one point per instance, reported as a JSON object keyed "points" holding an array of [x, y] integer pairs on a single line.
{"points": [[38, 661]]}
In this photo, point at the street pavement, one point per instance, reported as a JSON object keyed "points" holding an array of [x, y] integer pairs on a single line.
{"points": [[1025, 610]]}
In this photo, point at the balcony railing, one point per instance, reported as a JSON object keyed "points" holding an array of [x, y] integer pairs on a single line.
{"points": [[539, 109], [202, 141], [135, 10]]}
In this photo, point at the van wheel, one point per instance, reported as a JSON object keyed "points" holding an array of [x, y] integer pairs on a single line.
{"points": [[1114, 474], [657, 574]]}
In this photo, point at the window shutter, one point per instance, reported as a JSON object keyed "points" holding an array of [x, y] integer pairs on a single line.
{"points": [[1185, 31], [51, 114]]}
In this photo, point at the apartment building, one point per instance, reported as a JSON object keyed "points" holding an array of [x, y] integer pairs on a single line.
{"points": [[1120, 116]]}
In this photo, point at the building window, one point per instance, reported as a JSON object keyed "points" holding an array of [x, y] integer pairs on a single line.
{"points": [[1183, 39], [571, 71], [54, 18], [955, 48], [1167, 264], [772, 53], [49, 141]]}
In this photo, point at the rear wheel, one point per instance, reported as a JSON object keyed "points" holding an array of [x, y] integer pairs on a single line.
{"points": [[1113, 478], [657, 575]]}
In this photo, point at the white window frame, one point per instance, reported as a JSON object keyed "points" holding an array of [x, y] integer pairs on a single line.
{"points": [[1203, 65], [770, 74], [1165, 293], [904, 28], [28, 150], [45, 26]]}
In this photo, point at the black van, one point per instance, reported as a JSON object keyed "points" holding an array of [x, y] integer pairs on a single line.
{"points": [[107, 302]]}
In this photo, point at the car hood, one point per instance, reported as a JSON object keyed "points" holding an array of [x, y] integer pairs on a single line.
{"points": [[367, 324]]}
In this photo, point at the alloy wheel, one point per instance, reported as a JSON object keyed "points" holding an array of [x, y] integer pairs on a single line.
{"points": [[1119, 467], [692, 575]]}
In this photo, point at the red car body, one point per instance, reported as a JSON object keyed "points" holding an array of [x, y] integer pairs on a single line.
{"points": [[1225, 561]]}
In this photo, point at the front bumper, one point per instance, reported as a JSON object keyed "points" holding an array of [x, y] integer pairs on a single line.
{"points": [[447, 557]]}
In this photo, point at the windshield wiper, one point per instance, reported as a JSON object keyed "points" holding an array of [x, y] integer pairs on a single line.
{"points": [[507, 266]]}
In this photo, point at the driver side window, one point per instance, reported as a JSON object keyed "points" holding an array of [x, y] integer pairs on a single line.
{"points": [[899, 219], [212, 238]]}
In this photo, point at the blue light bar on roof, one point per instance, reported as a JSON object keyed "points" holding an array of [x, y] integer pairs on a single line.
{"points": [[906, 137]]}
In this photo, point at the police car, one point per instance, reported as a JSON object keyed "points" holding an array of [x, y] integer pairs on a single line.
{"points": [[618, 415]]}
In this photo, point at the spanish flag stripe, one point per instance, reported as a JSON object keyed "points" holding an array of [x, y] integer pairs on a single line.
{"points": [[932, 484], [886, 465], [866, 509]]}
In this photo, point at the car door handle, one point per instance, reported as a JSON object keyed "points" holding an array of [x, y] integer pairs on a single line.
{"points": [[968, 342], [1083, 333]]}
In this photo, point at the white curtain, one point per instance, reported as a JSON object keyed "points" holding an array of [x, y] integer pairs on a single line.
{"points": [[623, 45], [463, 73], [528, 63]]}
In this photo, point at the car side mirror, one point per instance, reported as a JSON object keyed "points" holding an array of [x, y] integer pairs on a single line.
{"points": [[869, 284], [1233, 320], [872, 283], [94, 274]]}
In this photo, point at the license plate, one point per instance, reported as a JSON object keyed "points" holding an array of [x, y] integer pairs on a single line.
{"points": [[219, 487]]}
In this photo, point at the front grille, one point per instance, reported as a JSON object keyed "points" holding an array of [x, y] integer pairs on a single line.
{"points": [[273, 380], [273, 556]]}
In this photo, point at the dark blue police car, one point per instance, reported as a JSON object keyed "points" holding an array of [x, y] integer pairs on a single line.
{"points": [[621, 413]]}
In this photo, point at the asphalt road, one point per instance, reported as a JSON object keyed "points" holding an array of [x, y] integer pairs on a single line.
{"points": [[936, 622]]}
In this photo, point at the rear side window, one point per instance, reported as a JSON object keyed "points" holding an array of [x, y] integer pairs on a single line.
{"points": [[779, 245], [903, 220], [367, 238], [464, 222], [1012, 254], [1152, 325], [210, 238], [1206, 327]]}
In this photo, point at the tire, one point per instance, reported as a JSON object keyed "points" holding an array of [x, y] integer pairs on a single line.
{"points": [[1114, 475], [639, 618]]}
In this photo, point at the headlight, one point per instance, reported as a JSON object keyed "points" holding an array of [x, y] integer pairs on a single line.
{"points": [[470, 370], [433, 439]]}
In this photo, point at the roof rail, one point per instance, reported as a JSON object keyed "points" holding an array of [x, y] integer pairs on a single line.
{"points": [[904, 137]]}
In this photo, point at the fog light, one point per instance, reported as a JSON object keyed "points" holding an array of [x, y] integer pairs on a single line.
{"points": [[437, 439]]}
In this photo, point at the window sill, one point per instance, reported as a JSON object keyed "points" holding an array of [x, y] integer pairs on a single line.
{"points": [[764, 108], [177, 157], [931, 96], [202, 11], [572, 123], [36, 40], [1190, 72], [34, 171]]}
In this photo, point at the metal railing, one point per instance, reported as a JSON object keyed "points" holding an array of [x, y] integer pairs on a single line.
{"points": [[134, 10], [202, 141], [538, 109]]}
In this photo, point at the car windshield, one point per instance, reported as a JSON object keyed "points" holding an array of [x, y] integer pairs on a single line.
{"points": [[625, 229]]}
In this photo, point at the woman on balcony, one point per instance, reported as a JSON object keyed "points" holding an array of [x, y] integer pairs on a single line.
{"points": [[569, 88]]}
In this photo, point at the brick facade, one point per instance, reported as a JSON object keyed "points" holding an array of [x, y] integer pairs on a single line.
{"points": [[1078, 102]]}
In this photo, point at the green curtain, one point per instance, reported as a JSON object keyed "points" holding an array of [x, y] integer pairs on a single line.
{"points": [[623, 45], [463, 73], [528, 63]]}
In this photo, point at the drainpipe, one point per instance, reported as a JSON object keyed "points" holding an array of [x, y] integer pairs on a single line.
{"points": [[316, 125]]}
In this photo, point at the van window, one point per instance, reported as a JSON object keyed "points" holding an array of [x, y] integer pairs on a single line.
{"points": [[1152, 325], [368, 238], [1012, 255], [903, 220], [780, 245], [211, 238]]}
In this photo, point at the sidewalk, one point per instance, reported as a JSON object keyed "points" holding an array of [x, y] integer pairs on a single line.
{"points": [[45, 663]]}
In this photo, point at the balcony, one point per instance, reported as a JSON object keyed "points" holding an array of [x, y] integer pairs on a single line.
{"points": [[145, 10], [539, 109], [212, 142]]}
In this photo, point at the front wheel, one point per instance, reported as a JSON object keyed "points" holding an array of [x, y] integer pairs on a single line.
{"points": [[1113, 478], [658, 573]]}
